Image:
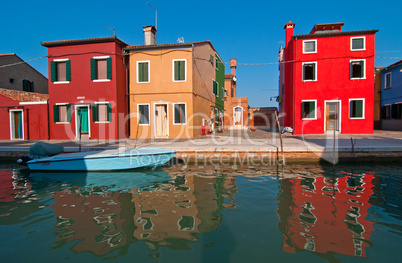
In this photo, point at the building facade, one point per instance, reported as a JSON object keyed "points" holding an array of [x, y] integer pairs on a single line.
{"points": [[15, 74], [174, 88], [327, 80], [23, 115], [87, 88], [391, 97], [236, 108]]}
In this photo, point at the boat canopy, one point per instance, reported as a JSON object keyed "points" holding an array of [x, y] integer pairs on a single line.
{"points": [[43, 150]]}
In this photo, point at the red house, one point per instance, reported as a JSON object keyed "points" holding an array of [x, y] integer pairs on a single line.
{"points": [[23, 115], [327, 80], [87, 88]]}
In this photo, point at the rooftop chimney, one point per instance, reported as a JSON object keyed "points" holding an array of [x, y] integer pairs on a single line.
{"points": [[149, 35], [289, 31], [233, 65]]}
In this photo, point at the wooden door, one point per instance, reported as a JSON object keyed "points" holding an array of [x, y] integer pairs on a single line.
{"points": [[332, 116]]}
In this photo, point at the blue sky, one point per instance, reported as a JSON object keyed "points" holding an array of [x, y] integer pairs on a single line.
{"points": [[250, 31]]}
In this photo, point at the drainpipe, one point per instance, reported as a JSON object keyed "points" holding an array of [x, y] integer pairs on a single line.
{"points": [[28, 124], [127, 93], [48, 121], [294, 110]]}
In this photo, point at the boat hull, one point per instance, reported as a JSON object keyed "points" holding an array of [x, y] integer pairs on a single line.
{"points": [[109, 160]]}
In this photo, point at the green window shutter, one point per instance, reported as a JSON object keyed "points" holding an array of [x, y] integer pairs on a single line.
{"points": [[94, 112], [109, 112], [182, 66], [53, 71], [314, 70], [145, 71], [109, 68], [55, 113], [215, 88], [68, 70], [359, 108], [176, 70], [394, 111], [25, 85], [93, 69], [312, 109], [362, 69], [68, 109]]}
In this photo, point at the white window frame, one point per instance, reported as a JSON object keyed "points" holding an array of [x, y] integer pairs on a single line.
{"points": [[364, 68], [185, 70], [217, 88], [12, 122], [61, 104], [339, 113], [364, 43], [149, 114], [315, 45], [216, 62], [167, 118], [61, 60], [77, 133], [315, 73], [363, 110], [315, 110], [385, 80], [101, 80], [102, 103], [185, 112], [149, 71]]}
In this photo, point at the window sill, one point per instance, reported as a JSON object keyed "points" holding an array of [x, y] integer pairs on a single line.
{"points": [[179, 124], [356, 118], [62, 123], [179, 80], [358, 49], [102, 121], [101, 80], [309, 80], [144, 124], [309, 119], [357, 78], [61, 82]]}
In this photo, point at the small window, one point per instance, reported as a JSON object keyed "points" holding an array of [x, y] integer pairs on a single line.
{"points": [[143, 113], [179, 70], [358, 43], [60, 70], [310, 71], [12, 81], [357, 69], [356, 109], [386, 112], [62, 113], [308, 109], [143, 71], [388, 80], [180, 113], [396, 111], [309, 46], [215, 87], [217, 61], [101, 68], [102, 112], [27, 85]]}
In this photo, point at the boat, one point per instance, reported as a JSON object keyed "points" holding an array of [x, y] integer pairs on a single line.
{"points": [[104, 160]]}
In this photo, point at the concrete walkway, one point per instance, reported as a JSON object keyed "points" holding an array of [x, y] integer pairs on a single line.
{"points": [[384, 143]]}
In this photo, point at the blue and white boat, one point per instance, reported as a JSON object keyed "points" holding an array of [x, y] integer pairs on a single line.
{"points": [[106, 160]]}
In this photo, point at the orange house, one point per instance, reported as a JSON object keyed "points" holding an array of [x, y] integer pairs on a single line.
{"points": [[171, 88]]}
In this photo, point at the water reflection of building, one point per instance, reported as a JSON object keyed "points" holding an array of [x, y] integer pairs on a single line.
{"points": [[323, 214], [162, 214]]}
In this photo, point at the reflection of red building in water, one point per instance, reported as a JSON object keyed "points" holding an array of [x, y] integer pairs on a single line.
{"points": [[323, 217]]}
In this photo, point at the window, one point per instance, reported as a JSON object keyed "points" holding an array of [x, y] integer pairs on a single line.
{"points": [[215, 87], [217, 61], [388, 80], [396, 111], [27, 85], [62, 113], [179, 113], [356, 109], [102, 112], [358, 43], [309, 46], [60, 70], [310, 71], [143, 113], [309, 109], [386, 112], [357, 69], [101, 68], [12, 81], [143, 72], [179, 70]]}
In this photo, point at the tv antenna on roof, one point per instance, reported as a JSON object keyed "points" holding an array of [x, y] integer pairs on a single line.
{"points": [[156, 15], [114, 31]]}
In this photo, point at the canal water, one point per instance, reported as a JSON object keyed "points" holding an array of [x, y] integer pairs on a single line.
{"points": [[301, 213]]}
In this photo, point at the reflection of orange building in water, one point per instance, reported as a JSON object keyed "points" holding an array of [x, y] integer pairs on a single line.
{"points": [[168, 214], [322, 217]]}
